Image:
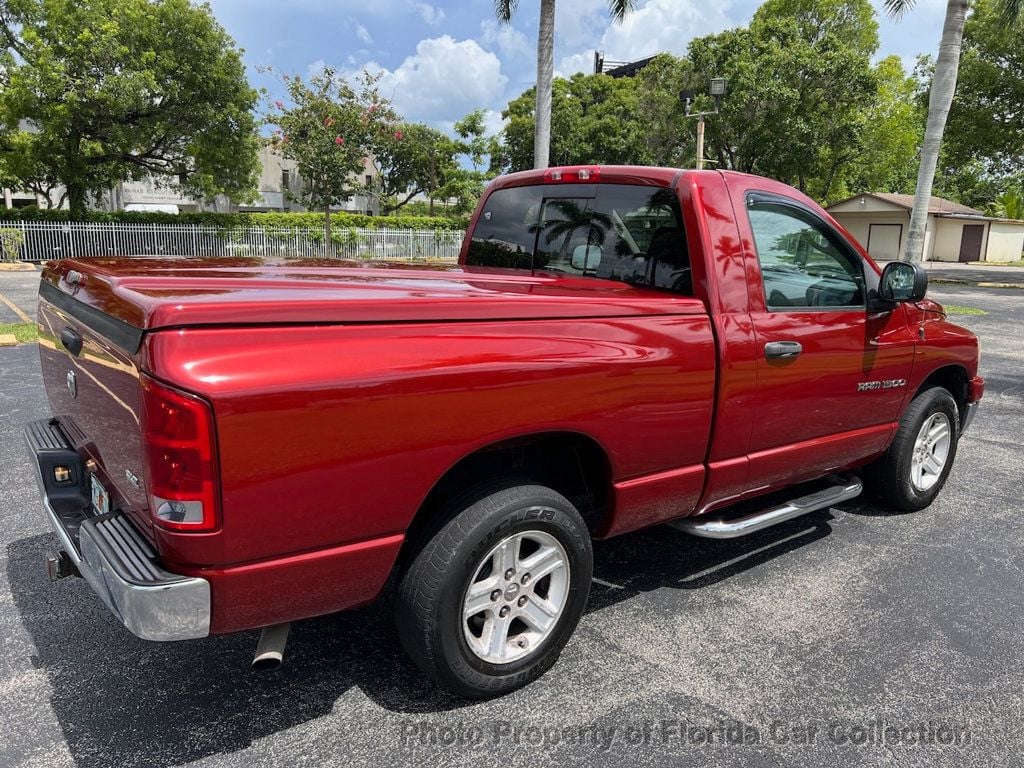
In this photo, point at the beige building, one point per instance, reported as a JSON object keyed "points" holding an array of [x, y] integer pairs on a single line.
{"points": [[954, 232], [278, 177]]}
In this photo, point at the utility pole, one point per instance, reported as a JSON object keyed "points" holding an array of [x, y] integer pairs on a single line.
{"points": [[700, 142], [716, 91]]}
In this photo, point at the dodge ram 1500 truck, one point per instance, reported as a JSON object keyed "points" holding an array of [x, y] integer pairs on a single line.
{"points": [[240, 443]]}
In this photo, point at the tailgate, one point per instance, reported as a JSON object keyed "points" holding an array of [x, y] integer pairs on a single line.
{"points": [[89, 366]]}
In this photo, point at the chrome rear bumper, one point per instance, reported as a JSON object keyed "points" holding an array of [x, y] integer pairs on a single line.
{"points": [[119, 564]]}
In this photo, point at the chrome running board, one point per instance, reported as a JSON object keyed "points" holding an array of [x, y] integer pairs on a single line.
{"points": [[845, 488]]}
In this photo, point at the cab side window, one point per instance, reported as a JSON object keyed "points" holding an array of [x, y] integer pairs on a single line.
{"points": [[804, 264]]}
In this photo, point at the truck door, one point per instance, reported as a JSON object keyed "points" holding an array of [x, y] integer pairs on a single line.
{"points": [[831, 375]]}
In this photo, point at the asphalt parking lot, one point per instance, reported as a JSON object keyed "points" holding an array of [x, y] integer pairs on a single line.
{"points": [[806, 641]]}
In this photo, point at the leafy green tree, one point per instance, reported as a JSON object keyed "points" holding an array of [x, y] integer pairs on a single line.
{"points": [[892, 133], [967, 181], [665, 138], [797, 104], [411, 160], [986, 120], [543, 93], [466, 185], [98, 91], [940, 98], [805, 105], [1008, 205], [594, 118], [329, 129], [852, 21]]}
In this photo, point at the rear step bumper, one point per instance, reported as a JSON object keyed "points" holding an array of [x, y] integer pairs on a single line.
{"points": [[843, 489], [109, 553]]}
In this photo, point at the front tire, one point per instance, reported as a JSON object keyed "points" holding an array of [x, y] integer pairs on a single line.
{"points": [[490, 600], [910, 474]]}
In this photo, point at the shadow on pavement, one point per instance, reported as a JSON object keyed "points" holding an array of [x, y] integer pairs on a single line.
{"points": [[127, 702]]}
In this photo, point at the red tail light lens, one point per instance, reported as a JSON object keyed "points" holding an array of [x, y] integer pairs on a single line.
{"points": [[178, 442], [587, 174]]}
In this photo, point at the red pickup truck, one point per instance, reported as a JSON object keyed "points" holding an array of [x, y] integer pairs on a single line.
{"points": [[241, 443]]}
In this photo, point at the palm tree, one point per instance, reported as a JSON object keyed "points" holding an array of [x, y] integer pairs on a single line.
{"points": [[940, 98], [1008, 205], [505, 9]]}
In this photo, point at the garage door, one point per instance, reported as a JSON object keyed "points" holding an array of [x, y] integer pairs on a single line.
{"points": [[884, 241]]}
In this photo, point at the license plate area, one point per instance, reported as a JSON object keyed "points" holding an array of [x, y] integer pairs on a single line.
{"points": [[99, 496]]}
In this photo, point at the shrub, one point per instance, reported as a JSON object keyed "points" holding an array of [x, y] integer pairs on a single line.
{"points": [[10, 241], [308, 220]]}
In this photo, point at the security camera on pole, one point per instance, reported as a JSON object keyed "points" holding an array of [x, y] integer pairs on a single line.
{"points": [[716, 90]]}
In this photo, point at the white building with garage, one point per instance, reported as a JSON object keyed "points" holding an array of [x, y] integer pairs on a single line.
{"points": [[954, 232]]}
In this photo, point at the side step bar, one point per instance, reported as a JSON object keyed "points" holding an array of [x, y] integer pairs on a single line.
{"points": [[845, 488]]}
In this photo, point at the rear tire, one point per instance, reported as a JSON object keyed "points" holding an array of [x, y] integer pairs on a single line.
{"points": [[910, 474], [489, 601]]}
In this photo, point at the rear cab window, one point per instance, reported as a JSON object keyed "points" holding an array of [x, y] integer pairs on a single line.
{"points": [[623, 232]]}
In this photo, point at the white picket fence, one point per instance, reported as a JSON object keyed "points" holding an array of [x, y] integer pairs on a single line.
{"points": [[44, 241]]}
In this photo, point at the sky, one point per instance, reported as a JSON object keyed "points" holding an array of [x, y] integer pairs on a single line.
{"points": [[441, 59]]}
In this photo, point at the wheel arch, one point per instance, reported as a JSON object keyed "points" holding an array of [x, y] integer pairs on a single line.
{"points": [[572, 463], [953, 378]]}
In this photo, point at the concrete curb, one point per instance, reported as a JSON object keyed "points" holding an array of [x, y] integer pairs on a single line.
{"points": [[972, 283], [17, 266]]}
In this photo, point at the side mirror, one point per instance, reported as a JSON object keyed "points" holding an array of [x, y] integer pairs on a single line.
{"points": [[903, 281]]}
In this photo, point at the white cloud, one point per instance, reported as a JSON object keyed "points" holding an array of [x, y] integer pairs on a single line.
{"points": [[664, 25], [431, 14], [656, 27], [364, 34], [577, 62], [315, 68], [509, 41], [493, 122], [443, 80]]}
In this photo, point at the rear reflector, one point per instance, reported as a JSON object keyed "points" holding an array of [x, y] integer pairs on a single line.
{"points": [[177, 431], [573, 174]]}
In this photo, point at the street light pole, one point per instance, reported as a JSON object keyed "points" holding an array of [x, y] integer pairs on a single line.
{"points": [[700, 141], [717, 91]]}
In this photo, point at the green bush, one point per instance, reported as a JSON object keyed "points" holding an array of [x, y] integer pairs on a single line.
{"points": [[310, 221], [419, 208], [10, 241]]}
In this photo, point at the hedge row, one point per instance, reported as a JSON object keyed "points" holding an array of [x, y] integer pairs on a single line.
{"points": [[310, 220]]}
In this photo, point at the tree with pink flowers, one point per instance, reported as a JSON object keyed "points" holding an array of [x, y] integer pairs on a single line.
{"points": [[329, 127]]}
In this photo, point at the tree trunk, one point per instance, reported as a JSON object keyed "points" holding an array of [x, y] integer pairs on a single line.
{"points": [[74, 173], [545, 75], [328, 243], [76, 199], [939, 100]]}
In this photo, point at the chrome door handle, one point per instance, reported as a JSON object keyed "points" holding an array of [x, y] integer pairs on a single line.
{"points": [[781, 350]]}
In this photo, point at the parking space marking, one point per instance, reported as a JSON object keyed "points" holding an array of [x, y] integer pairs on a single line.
{"points": [[16, 309]]}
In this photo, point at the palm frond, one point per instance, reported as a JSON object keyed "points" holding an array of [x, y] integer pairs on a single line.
{"points": [[1011, 11], [895, 9], [619, 8], [505, 10]]}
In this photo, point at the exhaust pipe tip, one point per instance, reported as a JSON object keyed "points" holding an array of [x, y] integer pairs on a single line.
{"points": [[266, 661], [270, 648]]}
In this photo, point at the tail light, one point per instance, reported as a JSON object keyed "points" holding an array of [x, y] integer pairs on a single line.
{"points": [[573, 174], [178, 441]]}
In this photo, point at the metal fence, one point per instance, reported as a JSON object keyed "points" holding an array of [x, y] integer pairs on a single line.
{"points": [[42, 241]]}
